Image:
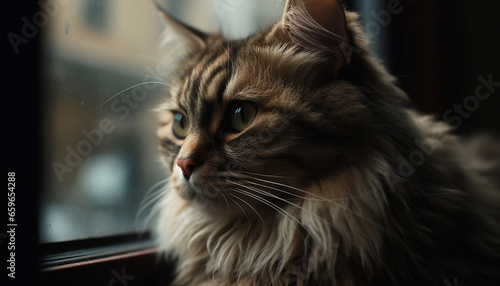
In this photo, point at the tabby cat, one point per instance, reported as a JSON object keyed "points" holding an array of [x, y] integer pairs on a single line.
{"points": [[294, 159]]}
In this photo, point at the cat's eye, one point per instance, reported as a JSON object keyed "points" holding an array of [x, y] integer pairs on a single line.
{"points": [[241, 115], [180, 126]]}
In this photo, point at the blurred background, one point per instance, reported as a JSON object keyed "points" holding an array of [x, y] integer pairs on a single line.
{"points": [[100, 75], [99, 156], [101, 78]]}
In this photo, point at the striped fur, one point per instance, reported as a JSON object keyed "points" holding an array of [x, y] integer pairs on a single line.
{"points": [[313, 192]]}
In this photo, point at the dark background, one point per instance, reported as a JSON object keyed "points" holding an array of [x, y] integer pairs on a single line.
{"points": [[437, 49], [21, 142]]}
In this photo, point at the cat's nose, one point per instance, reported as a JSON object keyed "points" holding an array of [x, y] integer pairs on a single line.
{"points": [[187, 166]]}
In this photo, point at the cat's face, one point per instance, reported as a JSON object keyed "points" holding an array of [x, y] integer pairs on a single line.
{"points": [[249, 124]]}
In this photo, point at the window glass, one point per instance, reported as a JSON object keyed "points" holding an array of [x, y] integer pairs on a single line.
{"points": [[99, 146], [101, 78]]}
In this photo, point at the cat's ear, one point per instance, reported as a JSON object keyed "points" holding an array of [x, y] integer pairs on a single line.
{"points": [[191, 38], [319, 26]]}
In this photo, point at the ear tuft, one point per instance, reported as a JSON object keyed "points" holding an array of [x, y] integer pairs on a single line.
{"points": [[191, 38], [319, 26]]}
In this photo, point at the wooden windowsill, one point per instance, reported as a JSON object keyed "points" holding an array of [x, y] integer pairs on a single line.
{"points": [[132, 265]]}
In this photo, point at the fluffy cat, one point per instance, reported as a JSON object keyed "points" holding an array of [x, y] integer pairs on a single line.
{"points": [[294, 159]]}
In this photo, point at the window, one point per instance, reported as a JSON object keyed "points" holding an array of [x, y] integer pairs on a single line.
{"points": [[99, 142], [100, 157], [97, 153]]}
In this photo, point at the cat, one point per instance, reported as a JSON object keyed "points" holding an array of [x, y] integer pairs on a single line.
{"points": [[294, 159]]}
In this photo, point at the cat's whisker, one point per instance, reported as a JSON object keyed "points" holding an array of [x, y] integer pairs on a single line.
{"points": [[150, 201], [127, 89], [317, 197], [284, 192], [263, 192], [273, 206], [227, 203], [161, 63], [152, 196], [154, 59], [317, 216], [292, 188], [156, 77], [244, 212], [264, 175], [153, 213], [256, 212], [229, 60]]}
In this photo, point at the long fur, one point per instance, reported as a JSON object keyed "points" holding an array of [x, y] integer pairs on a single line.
{"points": [[356, 214]]}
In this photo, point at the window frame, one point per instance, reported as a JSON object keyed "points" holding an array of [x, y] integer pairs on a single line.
{"points": [[113, 260]]}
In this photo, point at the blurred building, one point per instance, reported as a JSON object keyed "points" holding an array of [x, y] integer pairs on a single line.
{"points": [[98, 161], [100, 155]]}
